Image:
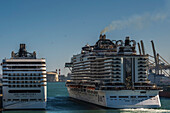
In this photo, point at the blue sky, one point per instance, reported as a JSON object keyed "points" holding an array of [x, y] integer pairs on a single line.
{"points": [[57, 29]]}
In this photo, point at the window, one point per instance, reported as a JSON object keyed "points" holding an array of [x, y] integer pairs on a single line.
{"points": [[112, 96], [24, 100], [142, 96], [143, 92], [133, 96], [123, 96], [24, 91]]}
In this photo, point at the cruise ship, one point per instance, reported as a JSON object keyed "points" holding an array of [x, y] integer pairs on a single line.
{"points": [[24, 81], [111, 74]]}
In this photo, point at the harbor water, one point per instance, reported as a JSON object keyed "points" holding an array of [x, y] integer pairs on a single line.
{"points": [[59, 102]]}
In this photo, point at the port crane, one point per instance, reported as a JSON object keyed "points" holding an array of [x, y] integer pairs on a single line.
{"points": [[157, 64]]}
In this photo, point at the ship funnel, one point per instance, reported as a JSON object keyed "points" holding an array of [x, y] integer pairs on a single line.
{"points": [[102, 36], [22, 47], [127, 41], [22, 51]]}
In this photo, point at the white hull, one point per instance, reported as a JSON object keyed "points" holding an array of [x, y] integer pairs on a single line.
{"points": [[103, 98], [25, 105]]}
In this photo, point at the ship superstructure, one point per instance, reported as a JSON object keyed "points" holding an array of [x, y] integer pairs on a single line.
{"points": [[24, 81], [111, 74]]}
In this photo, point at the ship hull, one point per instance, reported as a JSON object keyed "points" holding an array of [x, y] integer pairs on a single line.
{"points": [[24, 105], [120, 99]]}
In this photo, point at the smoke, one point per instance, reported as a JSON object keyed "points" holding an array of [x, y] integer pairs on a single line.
{"points": [[136, 21]]}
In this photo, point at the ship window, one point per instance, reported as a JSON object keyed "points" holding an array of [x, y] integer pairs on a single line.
{"points": [[17, 85], [33, 99], [112, 96], [24, 91], [15, 99], [123, 96], [24, 99], [133, 96], [142, 96], [151, 96], [9, 99]]}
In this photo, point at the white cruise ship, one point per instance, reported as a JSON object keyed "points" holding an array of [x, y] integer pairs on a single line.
{"points": [[112, 75], [24, 81]]}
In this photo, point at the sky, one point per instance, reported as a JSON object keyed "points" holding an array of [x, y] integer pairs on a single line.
{"points": [[58, 29]]}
